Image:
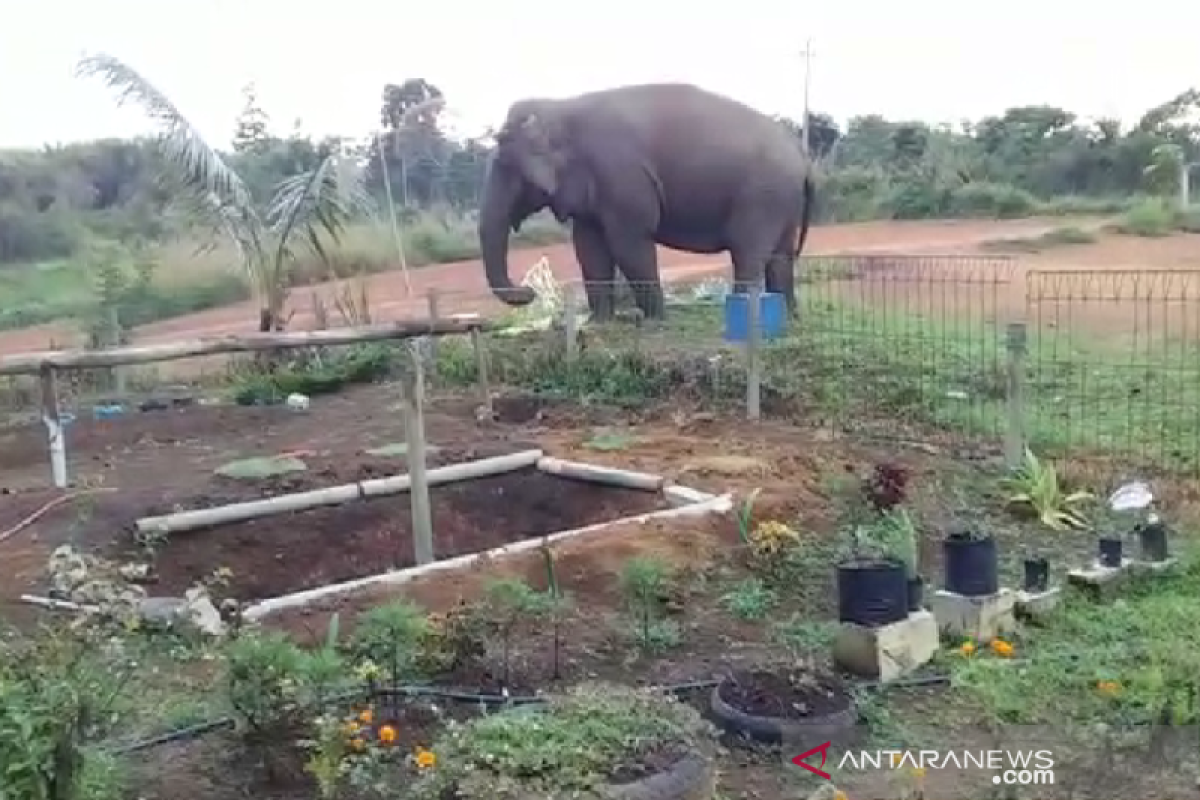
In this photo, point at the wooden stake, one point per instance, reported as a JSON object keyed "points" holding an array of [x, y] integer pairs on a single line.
{"points": [[54, 427], [412, 386]]}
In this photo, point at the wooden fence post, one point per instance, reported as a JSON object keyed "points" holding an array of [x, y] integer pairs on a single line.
{"points": [[114, 340], [52, 419], [481, 367], [412, 387], [432, 297], [753, 355], [1016, 345], [570, 323]]}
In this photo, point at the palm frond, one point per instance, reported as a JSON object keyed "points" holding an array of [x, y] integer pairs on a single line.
{"points": [[197, 167], [316, 204]]}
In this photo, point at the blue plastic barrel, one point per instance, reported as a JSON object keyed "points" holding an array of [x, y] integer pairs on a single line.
{"points": [[772, 316]]}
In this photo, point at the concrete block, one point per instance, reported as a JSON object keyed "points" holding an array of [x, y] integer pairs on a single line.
{"points": [[1100, 581], [1035, 605], [981, 618], [1138, 567], [887, 652]]}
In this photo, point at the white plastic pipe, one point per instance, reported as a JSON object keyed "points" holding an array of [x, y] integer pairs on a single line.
{"points": [[610, 476], [334, 495], [719, 505]]}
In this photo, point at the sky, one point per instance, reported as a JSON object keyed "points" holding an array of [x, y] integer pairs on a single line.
{"points": [[326, 63]]}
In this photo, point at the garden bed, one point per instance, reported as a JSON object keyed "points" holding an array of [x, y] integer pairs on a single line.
{"points": [[276, 555]]}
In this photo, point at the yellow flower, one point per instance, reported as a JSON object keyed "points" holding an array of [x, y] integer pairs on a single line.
{"points": [[426, 759], [918, 772], [357, 744], [387, 734], [840, 795], [351, 728], [366, 717], [1002, 648], [967, 649], [1108, 688]]}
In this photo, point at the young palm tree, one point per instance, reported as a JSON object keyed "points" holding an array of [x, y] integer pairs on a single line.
{"points": [[308, 212]]}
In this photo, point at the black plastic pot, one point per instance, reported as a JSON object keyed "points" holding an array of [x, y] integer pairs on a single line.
{"points": [[1036, 575], [916, 594], [872, 593], [1110, 551], [1153, 540], [971, 568]]}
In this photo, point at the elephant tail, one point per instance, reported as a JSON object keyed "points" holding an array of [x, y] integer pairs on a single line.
{"points": [[806, 215]]}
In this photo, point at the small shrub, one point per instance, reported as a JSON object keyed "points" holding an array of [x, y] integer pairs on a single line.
{"points": [[645, 584], [1150, 218], [996, 200], [591, 736], [750, 600], [510, 604], [1035, 486], [390, 637]]}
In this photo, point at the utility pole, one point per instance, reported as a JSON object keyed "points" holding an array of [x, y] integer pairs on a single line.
{"points": [[804, 126]]}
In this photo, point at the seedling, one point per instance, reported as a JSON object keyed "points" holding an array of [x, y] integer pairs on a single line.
{"points": [[749, 600], [558, 605], [1035, 485], [645, 583], [745, 515], [508, 603]]}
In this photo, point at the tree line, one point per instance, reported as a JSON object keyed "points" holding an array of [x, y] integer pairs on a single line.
{"points": [[55, 200]]}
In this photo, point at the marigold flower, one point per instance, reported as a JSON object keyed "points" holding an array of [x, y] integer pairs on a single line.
{"points": [[351, 728], [967, 649], [366, 717], [1002, 648], [840, 795], [388, 734], [358, 744], [426, 759]]}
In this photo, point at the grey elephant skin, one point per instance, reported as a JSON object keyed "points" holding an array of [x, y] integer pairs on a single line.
{"points": [[632, 167]]}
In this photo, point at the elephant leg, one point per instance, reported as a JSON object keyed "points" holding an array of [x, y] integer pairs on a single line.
{"points": [[637, 258], [781, 271], [598, 267], [755, 236]]}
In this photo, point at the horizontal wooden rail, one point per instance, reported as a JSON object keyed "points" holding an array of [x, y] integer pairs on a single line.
{"points": [[33, 363]]}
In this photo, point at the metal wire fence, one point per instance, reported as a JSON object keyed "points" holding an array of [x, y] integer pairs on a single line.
{"points": [[965, 351]]}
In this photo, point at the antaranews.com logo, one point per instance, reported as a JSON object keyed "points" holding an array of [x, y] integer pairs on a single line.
{"points": [[1009, 767]]}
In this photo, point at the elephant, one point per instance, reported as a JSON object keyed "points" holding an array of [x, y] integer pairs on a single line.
{"points": [[638, 166]]}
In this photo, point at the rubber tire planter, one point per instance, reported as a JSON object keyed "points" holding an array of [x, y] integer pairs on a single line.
{"points": [[691, 778], [872, 593], [971, 569], [771, 730]]}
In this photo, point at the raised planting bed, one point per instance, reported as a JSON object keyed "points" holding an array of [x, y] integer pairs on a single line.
{"points": [[366, 538], [784, 706]]}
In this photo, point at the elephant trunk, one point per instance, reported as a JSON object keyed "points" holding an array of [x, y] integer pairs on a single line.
{"points": [[495, 219]]}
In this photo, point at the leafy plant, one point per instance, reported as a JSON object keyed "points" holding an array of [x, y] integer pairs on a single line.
{"points": [[645, 583], [744, 516], [578, 743], [1035, 485], [390, 637], [750, 600], [508, 603]]}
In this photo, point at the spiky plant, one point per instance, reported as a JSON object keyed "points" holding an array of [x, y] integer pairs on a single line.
{"points": [[308, 211]]}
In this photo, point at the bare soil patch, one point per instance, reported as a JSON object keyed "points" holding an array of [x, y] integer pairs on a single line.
{"points": [[275, 555]]}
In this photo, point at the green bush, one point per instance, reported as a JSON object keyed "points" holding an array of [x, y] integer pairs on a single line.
{"points": [[1149, 218], [994, 200]]}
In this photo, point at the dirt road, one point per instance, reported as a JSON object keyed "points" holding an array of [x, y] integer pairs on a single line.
{"points": [[462, 286]]}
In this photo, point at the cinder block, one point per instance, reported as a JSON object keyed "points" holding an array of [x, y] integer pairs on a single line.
{"points": [[981, 618], [1098, 580], [887, 652], [1138, 567], [1035, 605]]}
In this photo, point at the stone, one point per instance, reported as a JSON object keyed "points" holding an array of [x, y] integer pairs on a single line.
{"points": [[1036, 605], [887, 652], [980, 618], [1098, 580], [195, 609]]}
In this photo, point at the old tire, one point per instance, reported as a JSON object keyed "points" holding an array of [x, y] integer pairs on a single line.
{"points": [[691, 778], [774, 730]]}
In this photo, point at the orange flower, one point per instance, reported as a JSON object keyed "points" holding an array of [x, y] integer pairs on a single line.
{"points": [[351, 728], [358, 744], [967, 649], [426, 759], [1002, 648], [388, 734], [840, 795], [367, 716], [1108, 688]]}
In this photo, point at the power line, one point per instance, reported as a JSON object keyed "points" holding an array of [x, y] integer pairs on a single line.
{"points": [[807, 52]]}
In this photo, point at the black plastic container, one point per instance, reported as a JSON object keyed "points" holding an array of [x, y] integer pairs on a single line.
{"points": [[872, 593], [971, 568], [1036, 576], [916, 594], [1152, 537], [1110, 551]]}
